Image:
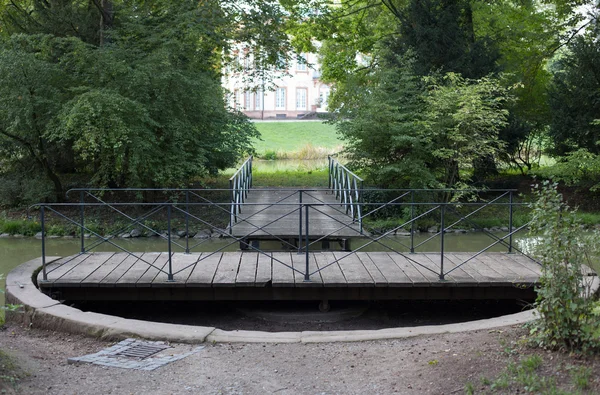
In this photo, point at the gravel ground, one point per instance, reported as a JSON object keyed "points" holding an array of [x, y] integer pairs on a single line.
{"points": [[442, 364]]}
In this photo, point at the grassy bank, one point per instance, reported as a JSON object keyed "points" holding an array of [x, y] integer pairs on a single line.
{"points": [[296, 140]]}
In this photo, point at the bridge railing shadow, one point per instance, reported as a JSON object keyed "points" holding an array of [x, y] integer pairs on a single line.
{"points": [[189, 220]]}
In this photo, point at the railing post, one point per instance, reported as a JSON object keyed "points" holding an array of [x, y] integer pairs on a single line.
{"points": [[81, 195], [329, 171], [442, 225], [43, 219], [306, 248], [300, 234], [170, 274], [510, 221], [231, 211], [187, 222], [251, 159], [412, 222], [360, 195]]}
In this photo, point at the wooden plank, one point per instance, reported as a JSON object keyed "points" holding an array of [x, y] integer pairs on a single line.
{"points": [[510, 269], [246, 275], [354, 270], [114, 276], [283, 276], [275, 212], [477, 266], [525, 262], [204, 271], [78, 274], [183, 266], [161, 263], [299, 261], [378, 278], [263, 270], [330, 270], [227, 270], [410, 269], [107, 267], [136, 271], [459, 275], [58, 269], [476, 269]]}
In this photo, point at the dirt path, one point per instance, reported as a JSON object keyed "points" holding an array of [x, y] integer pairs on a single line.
{"points": [[444, 364]]}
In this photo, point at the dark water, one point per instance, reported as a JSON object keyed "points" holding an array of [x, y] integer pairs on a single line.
{"points": [[305, 316]]}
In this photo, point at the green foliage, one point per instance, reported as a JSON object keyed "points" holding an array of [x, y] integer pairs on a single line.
{"points": [[383, 129], [129, 96], [569, 316], [575, 168], [4, 308], [581, 377], [441, 34], [463, 119], [405, 132], [574, 97]]}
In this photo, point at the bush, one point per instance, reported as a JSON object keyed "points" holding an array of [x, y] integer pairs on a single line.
{"points": [[569, 316]]}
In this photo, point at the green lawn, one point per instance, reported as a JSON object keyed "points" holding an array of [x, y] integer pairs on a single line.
{"points": [[291, 139]]}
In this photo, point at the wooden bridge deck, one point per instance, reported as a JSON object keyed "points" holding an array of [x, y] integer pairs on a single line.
{"points": [[267, 214], [253, 276]]}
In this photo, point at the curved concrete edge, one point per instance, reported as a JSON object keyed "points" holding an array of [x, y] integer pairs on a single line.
{"points": [[40, 311]]}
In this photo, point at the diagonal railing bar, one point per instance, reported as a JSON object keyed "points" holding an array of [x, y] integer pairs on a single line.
{"points": [[64, 263], [314, 207], [107, 240], [122, 229], [268, 206], [493, 236], [390, 203], [460, 220], [377, 240], [490, 246], [255, 230], [242, 240], [112, 207], [332, 206]]}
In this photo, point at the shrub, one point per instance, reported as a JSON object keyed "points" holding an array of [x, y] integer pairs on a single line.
{"points": [[569, 317]]}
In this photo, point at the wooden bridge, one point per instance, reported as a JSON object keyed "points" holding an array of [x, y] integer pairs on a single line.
{"points": [[312, 260]]}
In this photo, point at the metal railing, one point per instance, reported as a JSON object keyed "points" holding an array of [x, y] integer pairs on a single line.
{"points": [[347, 187], [186, 209], [239, 185]]}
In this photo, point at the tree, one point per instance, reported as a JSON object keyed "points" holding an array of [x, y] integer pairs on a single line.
{"points": [[383, 128], [127, 92], [405, 131], [575, 97]]}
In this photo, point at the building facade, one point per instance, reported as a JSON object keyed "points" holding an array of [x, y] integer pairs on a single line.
{"points": [[298, 93]]}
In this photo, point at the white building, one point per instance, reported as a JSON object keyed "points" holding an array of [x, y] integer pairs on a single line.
{"points": [[298, 94]]}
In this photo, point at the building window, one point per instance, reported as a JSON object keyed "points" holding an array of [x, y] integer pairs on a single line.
{"points": [[281, 62], [301, 63], [280, 99], [258, 100], [301, 99], [323, 98], [237, 100], [248, 100]]}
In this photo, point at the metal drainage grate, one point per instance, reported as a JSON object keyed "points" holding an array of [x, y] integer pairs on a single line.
{"points": [[141, 350]]}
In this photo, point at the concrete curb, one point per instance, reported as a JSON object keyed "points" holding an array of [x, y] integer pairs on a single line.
{"points": [[41, 311]]}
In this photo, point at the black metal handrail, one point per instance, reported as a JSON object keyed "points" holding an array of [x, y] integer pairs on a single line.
{"points": [[347, 187], [196, 199], [239, 185]]}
